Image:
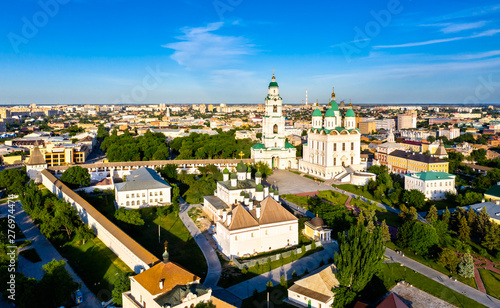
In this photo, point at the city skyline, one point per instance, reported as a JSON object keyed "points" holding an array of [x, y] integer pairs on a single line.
{"points": [[121, 52]]}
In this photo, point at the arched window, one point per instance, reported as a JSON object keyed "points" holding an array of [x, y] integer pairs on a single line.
{"points": [[275, 108], [275, 128]]}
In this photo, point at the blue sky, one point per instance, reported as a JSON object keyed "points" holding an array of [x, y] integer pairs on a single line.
{"points": [[224, 51]]}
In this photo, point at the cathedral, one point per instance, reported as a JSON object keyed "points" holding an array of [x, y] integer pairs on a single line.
{"points": [[333, 145], [273, 149]]}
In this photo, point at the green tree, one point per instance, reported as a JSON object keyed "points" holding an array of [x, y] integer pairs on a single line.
{"points": [[386, 236], [132, 217], [359, 257], [483, 220], [466, 266], [432, 214], [414, 198], [447, 258], [463, 229], [121, 284], [446, 216], [76, 176], [208, 304], [491, 239], [344, 296], [13, 180], [283, 281], [471, 218], [168, 172], [65, 217], [56, 285], [85, 233], [102, 133], [418, 237], [443, 233]]}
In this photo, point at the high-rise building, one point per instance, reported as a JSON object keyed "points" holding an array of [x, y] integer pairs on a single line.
{"points": [[407, 120], [274, 150], [367, 128]]}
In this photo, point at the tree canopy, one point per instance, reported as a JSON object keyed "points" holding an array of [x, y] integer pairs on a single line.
{"points": [[150, 146], [76, 176], [204, 146], [359, 258]]}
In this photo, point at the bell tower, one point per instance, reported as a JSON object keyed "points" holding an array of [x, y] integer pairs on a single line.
{"points": [[273, 128]]}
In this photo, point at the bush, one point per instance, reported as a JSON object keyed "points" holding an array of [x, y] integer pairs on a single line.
{"points": [[132, 217], [244, 271]]}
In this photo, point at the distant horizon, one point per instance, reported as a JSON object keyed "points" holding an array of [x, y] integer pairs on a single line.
{"points": [[129, 52], [293, 104]]}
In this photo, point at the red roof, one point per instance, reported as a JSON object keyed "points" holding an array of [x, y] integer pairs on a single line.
{"points": [[392, 301]]}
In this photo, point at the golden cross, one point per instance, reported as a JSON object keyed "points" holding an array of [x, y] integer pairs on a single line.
{"points": [[241, 154], [273, 71]]}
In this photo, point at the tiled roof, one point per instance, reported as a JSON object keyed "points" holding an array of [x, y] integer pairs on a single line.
{"points": [[417, 157], [171, 274], [179, 293], [272, 212], [493, 191], [432, 176], [36, 157], [392, 301], [318, 285], [241, 219]]}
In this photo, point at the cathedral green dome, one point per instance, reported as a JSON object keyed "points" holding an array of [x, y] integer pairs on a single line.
{"points": [[258, 174], [273, 84], [259, 187], [234, 176], [317, 113], [329, 113], [350, 113], [241, 167], [226, 171], [335, 106]]}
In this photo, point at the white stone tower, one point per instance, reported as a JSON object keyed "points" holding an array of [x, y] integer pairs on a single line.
{"points": [[274, 150]]}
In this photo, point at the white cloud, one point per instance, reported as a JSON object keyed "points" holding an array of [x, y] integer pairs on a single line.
{"points": [[490, 32], [200, 47], [453, 28]]}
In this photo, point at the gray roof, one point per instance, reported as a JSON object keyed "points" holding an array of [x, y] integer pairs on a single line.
{"points": [[492, 208], [216, 202], [241, 184], [142, 178], [174, 297]]}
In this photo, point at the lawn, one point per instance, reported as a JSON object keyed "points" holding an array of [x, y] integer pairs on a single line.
{"points": [[313, 178], [390, 219], [96, 264], [332, 196], [299, 200], [359, 191], [182, 247], [31, 255], [254, 271], [433, 264], [391, 273], [491, 282]]}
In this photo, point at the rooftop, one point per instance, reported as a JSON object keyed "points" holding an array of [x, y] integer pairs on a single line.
{"points": [[417, 157], [432, 176], [142, 178]]}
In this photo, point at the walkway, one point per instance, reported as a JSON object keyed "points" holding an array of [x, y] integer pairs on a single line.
{"points": [[246, 288], [47, 253], [457, 286], [213, 263]]}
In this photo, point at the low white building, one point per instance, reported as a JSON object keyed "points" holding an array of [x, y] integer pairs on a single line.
{"points": [[143, 187], [246, 230], [315, 289], [434, 185]]}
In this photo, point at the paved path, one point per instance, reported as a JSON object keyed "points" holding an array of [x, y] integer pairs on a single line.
{"points": [[47, 253], [245, 289], [457, 286], [213, 263]]}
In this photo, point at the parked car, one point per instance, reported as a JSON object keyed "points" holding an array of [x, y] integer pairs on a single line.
{"points": [[78, 297]]}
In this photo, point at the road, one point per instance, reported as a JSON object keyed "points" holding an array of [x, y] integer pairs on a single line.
{"points": [[213, 263], [47, 253], [457, 286]]}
